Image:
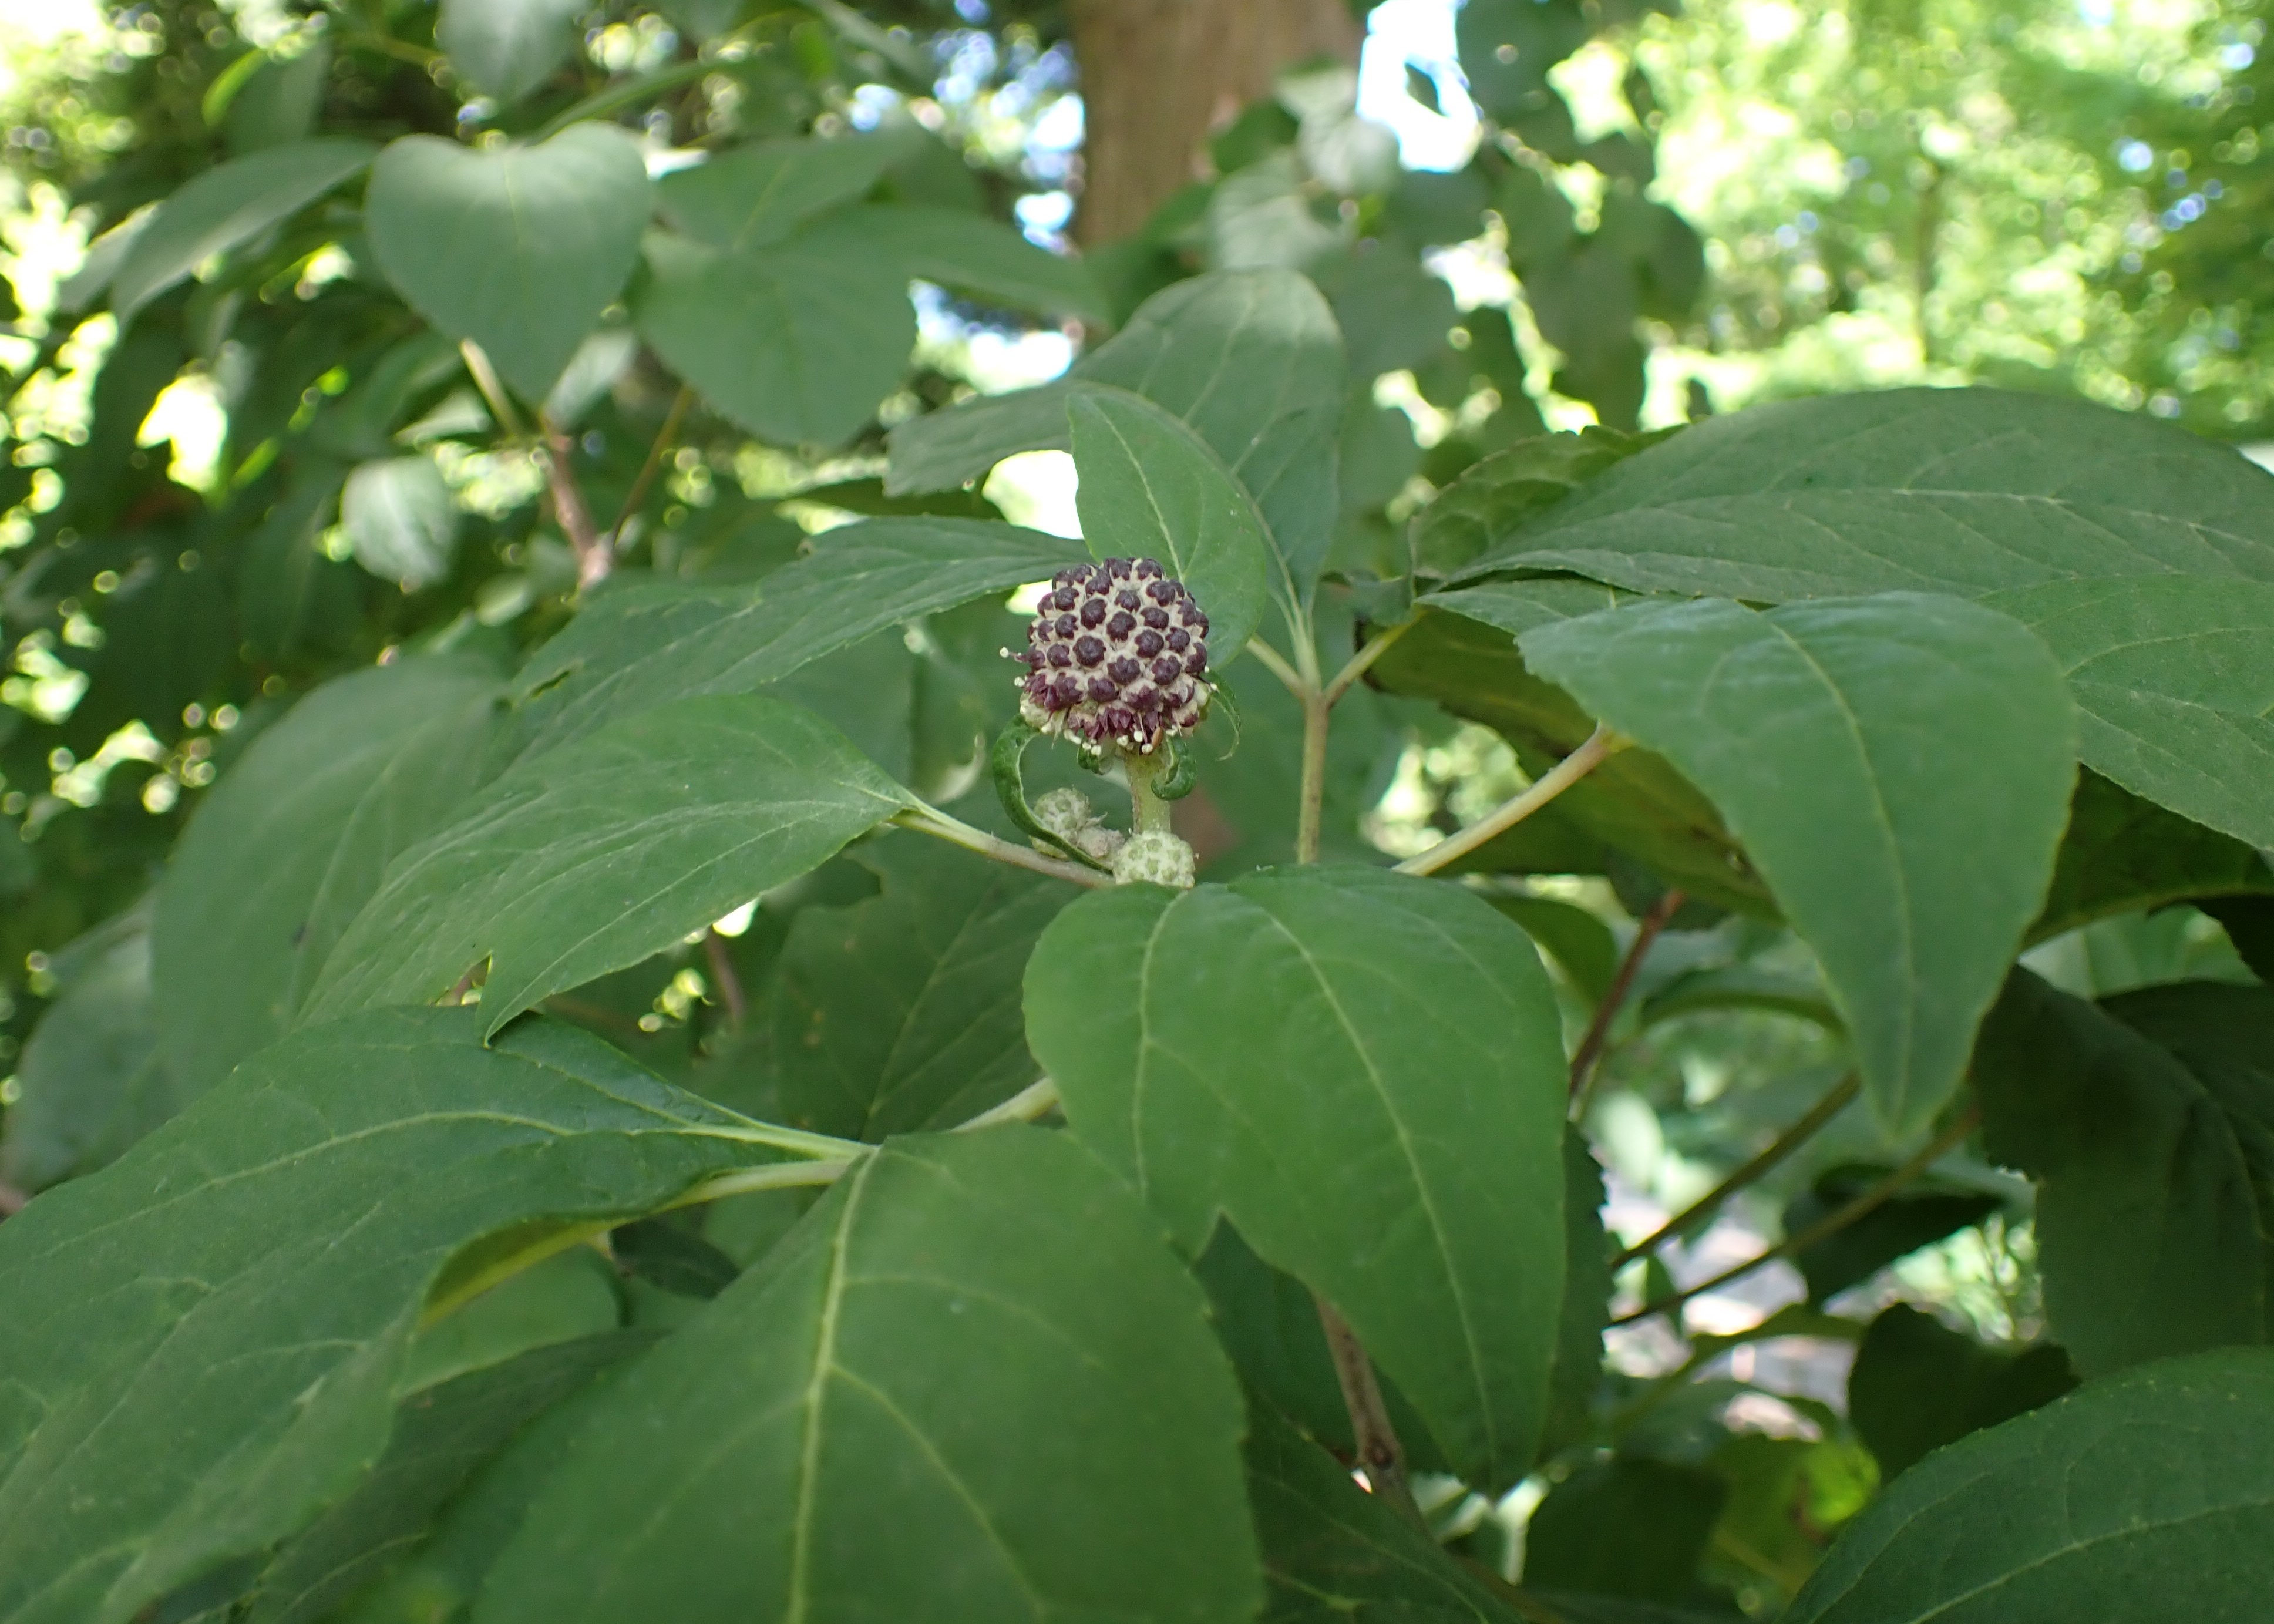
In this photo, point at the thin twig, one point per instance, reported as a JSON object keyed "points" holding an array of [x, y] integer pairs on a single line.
{"points": [[1380, 1455], [645, 478], [492, 388], [1830, 1223], [1835, 1101], [595, 556], [1310, 806], [1277, 664], [721, 960], [1599, 1029], [1361, 662], [939, 825], [1031, 1103], [1599, 746]]}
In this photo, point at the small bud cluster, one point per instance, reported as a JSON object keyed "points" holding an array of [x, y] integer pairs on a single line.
{"points": [[1067, 814], [1155, 857], [1115, 656]]}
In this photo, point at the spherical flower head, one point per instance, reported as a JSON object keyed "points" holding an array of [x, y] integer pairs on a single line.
{"points": [[1067, 814], [1155, 857], [1115, 658]]}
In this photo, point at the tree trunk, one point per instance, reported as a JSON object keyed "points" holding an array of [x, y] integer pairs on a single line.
{"points": [[1159, 76]]}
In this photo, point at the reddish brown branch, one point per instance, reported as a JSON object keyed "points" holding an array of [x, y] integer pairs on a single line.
{"points": [[1598, 1030]]}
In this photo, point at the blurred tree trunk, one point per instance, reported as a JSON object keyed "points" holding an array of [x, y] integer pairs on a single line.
{"points": [[1158, 76]]}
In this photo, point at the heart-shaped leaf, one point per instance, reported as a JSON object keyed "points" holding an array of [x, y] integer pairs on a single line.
{"points": [[402, 519], [1899, 770], [506, 48], [518, 248]]}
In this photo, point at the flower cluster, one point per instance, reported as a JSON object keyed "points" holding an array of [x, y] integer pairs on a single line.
{"points": [[1115, 656]]}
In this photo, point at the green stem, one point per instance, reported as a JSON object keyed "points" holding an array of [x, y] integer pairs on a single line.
{"points": [[1830, 1224], [1835, 1101], [1310, 807], [1150, 813], [1361, 662], [940, 826], [1031, 1103], [1599, 746], [1275, 663]]}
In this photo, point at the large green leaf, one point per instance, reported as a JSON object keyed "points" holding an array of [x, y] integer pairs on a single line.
{"points": [[797, 340], [1151, 488], [444, 1433], [518, 248], [1365, 1072], [1334, 1554], [225, 207], [2122, 856], [643, 646], [202, 1341], [2174, 679], [2141, 1499], [982, 258], [1899, 770], [1962, 490], [93, 1078], [594, 857], [1634, 1528], [1917, 1385], [293, 841], [1636, 801], [2148, 1123], [1251, 359], [506, 48], [975, 1350], [899, 1012]]}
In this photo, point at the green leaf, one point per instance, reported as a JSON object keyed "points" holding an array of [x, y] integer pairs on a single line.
{"points": [[1498, 493], [1587, 1311], [1961, 490], [753, 195], [1580, 943], [1393, 314], [402, 520], [517, 248], [2140, 1500], [506, 48], [638, 647], [444, 1435], [1151, 488], [1917, 1216], [594, 857], [796, 342], [1917, 1385], [2174, 686], [93, 1078], [1391, 1134], [203, 1340], [2248, 923], [293, 841], [900, 1012], [1899, 770], [1636, 801], [2122, 854], [1334, 1554], [982, 257], [975, 1342], [1251, 359], [225, 207], [2148, 1123], [291, 598], [1630, 1527]]}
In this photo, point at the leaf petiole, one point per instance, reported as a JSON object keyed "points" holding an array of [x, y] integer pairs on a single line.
{"points": [[940, 826], [1599, 746]]}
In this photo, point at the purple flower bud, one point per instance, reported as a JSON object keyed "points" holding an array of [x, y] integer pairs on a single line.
{"points": [[1113, 655]]}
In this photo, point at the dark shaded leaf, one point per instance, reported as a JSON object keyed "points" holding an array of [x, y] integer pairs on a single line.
{"points": [[1917, 1385]]}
